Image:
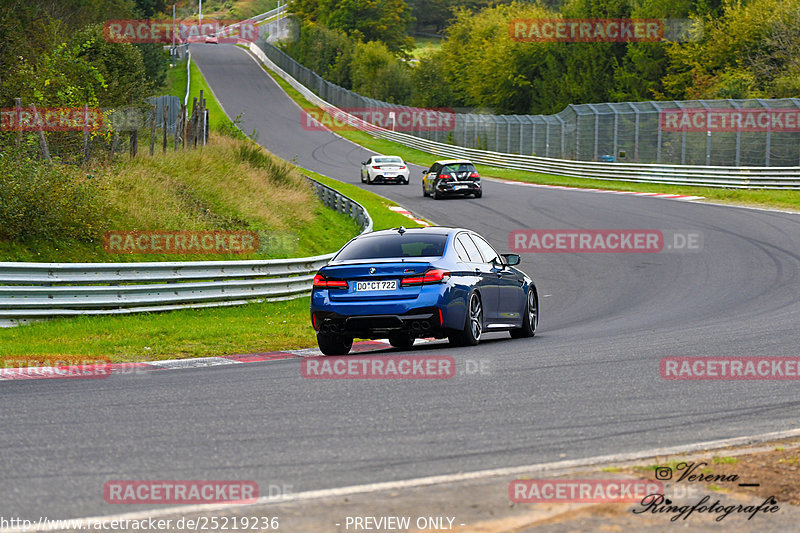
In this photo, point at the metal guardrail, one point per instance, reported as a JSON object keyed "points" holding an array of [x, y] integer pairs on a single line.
{"points": [[697, 175], [35, 291]]}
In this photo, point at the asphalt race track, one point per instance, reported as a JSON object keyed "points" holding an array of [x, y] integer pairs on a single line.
{"points": [[588, 384]]}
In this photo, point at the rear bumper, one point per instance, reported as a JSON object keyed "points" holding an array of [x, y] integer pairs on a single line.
{"points": [[373, 319], [421, 322], [458, 188], [392, 179]]}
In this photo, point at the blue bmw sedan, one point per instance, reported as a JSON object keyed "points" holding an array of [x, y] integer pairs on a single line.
{"points": [[406, 284]]}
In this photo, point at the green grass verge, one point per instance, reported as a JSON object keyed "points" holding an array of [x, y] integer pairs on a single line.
{"points": [[175, 84], [773, 198], [258, 327]]}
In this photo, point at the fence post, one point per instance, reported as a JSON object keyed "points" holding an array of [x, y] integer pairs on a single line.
{"points": [[201, 118], [768, 145], [114, 143], [179, 127], [205, 123], [596, 131], [42, 140], [152, 130], [165, 127], [658, 140], [134, 143], [194, 123], [738, 133], [547, 138], [636, 135]]}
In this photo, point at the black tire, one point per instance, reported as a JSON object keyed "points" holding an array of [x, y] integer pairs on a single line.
{"points": [[478, 194], [406, 182], [437, 195], [369, 180], [424, 192], [401, 340], [362, 178], [332, 344], [530, 319], [473, 323]]}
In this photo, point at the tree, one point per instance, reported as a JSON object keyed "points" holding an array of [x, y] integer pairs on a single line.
{"points": [[367, 20], [378, 74], [750, 51]]}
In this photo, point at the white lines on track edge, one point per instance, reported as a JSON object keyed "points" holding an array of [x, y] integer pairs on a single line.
{"points": [[551, 468]]}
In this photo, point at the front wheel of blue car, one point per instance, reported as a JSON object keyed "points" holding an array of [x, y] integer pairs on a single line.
{"points": [[473, 324], [332, 344]]}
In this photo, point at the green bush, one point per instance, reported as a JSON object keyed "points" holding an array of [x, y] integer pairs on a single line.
{"points": [[48, 201]]}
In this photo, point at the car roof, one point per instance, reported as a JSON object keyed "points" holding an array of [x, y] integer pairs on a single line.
{"points": [[452, 161], [386, 155], [432, 230]]}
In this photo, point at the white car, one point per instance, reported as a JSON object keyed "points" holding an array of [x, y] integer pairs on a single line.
{"points": [[384, 169]]}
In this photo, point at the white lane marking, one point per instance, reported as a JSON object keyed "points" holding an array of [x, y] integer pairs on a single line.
{"points": [[551, 468]]}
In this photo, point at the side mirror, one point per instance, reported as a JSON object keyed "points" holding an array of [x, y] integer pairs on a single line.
{"points": [[364, 163], [511, 259], [424, 171]]}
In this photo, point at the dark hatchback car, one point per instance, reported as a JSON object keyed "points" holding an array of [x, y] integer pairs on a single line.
{"points": [[406, 284], [452, 177]]}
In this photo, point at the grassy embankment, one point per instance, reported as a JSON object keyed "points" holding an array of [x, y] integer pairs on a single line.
{"points": [[225, 185]]}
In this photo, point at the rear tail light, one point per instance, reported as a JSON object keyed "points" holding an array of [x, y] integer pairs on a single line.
{"points": [[474, 175], [403, 167], [429, 277], [321, 282], [314, 320], [376, 168]]}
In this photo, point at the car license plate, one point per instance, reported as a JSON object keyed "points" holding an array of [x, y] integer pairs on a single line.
{"points": [[459, 187], [385, 285]]}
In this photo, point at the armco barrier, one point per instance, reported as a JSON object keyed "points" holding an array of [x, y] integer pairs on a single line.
{"points": [[35, 291], [708, 176]]}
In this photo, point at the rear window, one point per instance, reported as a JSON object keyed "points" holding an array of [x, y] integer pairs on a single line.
{"points": [[394, 245], [388, 160], [459, 168]]}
